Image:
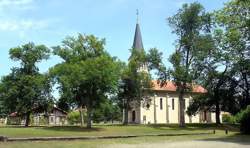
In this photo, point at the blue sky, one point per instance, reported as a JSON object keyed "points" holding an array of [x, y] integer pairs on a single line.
{"points": [[50, 21]]}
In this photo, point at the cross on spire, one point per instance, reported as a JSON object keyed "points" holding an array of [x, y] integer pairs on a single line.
{"points": [[138, 45], [137, 16]]}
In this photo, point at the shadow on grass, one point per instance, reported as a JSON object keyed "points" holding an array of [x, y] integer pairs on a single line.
{"points": [[58, 128], [73, 129], [163, 127], [236, 138], [196, 127]]}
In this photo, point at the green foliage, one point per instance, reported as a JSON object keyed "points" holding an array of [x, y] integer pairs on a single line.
{"points": [[43, 120], [74, 117], [226, 70], [25, 89], [197, 104], [192, 25], [106, 112], [243, 118], [14, 121], [234, 39], [227, 118], [87, 74]]}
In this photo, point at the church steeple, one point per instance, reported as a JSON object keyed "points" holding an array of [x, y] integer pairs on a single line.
{"points": [[138, 45]]}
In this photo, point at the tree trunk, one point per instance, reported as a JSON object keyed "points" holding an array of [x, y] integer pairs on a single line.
{"points": [[217, 112], [27, 121], [89, 117], [125, 119], [247, 89], [81, 115], [181, 109]]}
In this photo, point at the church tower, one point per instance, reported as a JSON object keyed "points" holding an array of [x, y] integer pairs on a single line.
{"points": [[138, 45]]}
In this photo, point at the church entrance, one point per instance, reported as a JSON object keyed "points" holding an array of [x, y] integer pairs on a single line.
{"points": [[133, 116]]}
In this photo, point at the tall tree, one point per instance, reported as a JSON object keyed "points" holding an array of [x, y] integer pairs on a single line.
{"points": [[234, 24], [192, 25], [136, 79], [227, 89], [87, 74], [25, 89]]}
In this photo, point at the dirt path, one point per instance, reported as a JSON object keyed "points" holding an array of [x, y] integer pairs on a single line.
{"points": [[184, 144]]}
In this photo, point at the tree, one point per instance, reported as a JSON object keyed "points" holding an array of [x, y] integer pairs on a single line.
{"points": [[192, 25], [227, 90], [107, 111], [25, 89], [136, 79], [234, 25], [220, 95], [133, 79], [87, 74]]}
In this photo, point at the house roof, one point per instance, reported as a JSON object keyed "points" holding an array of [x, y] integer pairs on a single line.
{"points": [[170, 86], [14, 114], [62, 111]]}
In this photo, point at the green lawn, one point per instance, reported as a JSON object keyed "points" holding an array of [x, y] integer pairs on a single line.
{"points": [[101, 130], [104, 130], [219, 136]]}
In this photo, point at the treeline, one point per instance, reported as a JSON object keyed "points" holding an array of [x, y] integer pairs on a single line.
{"points": [[212, 49], [89, 80]]}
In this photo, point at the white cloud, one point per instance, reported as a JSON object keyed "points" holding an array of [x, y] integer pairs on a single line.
{"points": [[6, 3], [18, 25]]}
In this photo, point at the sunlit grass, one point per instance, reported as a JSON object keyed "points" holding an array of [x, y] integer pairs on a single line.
{"points": [[106, 130]]}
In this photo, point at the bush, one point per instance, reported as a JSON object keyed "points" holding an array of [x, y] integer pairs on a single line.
{"points": [[226, 118], [243, 118], [75, 118]]}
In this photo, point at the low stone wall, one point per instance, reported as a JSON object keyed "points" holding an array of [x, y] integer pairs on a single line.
{"points": [[9, 139], [3, 138]]}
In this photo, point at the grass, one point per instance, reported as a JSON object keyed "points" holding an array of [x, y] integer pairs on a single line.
{"points": [[219, 136], [99, 130]]}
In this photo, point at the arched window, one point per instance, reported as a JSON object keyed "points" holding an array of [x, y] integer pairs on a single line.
{"points": [[161, 106], [173, 104], [133, 116]]}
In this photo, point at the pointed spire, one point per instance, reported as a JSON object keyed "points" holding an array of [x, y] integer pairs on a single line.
{"points": [[137, 38]]}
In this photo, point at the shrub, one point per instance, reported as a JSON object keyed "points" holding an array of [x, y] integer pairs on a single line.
{"points": [[243, 118], [74, 117], [226, 118]]}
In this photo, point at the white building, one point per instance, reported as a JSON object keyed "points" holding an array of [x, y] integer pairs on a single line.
{"points": [[163, 106]]}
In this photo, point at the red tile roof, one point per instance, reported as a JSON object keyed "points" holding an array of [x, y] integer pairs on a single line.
{"points": [[170, 86], [14, 114]]}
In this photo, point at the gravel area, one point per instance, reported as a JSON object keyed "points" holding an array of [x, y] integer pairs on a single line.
{"points": [[183, 144]]}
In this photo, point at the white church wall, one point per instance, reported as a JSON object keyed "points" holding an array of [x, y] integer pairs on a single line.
{"points": [[213, 117], [196, 118], [147, 114], [173, 110], [161, 112]]}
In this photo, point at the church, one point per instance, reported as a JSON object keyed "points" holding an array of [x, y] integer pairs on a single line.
{"points": [[164, 101]]}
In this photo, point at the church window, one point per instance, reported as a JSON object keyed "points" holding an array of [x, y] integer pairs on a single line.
{"points": [[161, 106], [172, 104]]}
